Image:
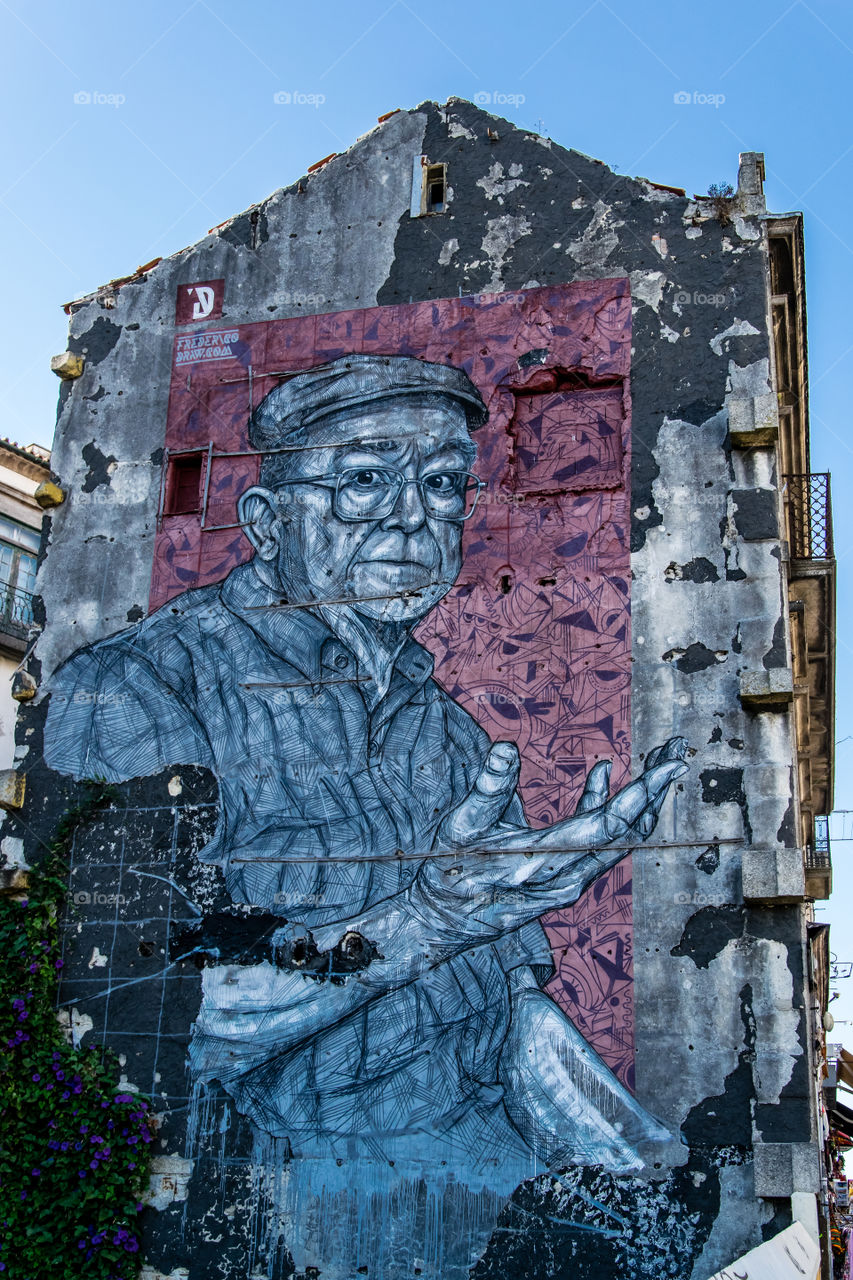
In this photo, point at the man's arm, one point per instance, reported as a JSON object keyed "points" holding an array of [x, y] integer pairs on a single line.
{"points": [[113, 714]]}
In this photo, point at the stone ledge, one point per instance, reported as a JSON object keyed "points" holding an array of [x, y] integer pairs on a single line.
{"points": [[766, 690], [783, 1168], [13, 787], [773, 875], [753, 421]]}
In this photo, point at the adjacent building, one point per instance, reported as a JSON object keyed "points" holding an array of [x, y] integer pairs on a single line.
{"points": [[404, 513], [22, 470]]}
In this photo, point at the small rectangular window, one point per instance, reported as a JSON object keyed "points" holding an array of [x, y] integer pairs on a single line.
{"points": [[429, 187], [183, 488], [434, 182]]}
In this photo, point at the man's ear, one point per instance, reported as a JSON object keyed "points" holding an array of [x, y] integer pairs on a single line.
{"points": [[257, 511]]}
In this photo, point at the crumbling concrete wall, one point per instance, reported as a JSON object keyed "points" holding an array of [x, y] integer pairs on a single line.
{"points": [[720, 1037]]}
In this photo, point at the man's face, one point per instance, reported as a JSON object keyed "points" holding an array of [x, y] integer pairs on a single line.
{"points": [[372, 562]]}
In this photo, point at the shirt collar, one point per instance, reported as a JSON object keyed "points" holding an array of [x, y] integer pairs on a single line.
{"points": [[302, 638]]}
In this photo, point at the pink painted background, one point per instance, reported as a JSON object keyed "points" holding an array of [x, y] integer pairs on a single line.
{"points": [[534, 640]]}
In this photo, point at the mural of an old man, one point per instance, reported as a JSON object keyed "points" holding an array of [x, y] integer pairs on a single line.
{"points": [[363, 810]]}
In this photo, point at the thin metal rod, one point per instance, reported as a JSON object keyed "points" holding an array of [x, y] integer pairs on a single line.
{"points": [[207, 472], [312, 604], [458, 853], [298, 448], [301, 684], [161, 500]]}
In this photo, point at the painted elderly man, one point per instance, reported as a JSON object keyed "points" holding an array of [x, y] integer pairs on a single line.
{"points": [[395, 1013]]}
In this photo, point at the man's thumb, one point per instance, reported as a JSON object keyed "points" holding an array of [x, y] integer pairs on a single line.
{"points": [[486, 802]]}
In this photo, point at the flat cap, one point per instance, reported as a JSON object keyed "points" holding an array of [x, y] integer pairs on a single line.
{"points": [[285, 415]]}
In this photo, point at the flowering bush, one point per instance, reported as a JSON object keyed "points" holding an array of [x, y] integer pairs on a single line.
{"points": [[73, 1146]]}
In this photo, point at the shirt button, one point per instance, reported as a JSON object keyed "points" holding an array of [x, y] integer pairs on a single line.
{"points": [[342, 661]]}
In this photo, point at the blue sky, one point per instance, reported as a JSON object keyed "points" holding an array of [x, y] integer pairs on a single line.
{"points": [[182, 130]]}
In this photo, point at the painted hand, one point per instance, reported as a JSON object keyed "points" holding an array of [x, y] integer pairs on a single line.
{"points": [[507, 874], [599, 818]]}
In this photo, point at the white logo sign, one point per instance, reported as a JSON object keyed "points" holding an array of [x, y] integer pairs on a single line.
{"points": [[203, 305]]}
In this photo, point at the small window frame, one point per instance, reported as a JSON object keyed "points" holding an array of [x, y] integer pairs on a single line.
{"points": [[179, 484], [429, 188]]}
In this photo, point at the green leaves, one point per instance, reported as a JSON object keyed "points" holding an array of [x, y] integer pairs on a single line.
{"points": [[73, 1146]]}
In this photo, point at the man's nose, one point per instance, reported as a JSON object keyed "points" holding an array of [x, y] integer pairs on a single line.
{"points": [[408, 513]]}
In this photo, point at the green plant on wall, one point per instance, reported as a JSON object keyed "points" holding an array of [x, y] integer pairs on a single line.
{"points": [[74, 1148]]}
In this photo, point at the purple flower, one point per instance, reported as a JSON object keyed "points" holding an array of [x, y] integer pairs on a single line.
{"points": [[36, 1076], [59, 964], [93, 1164], [33, 968], [23, 1195], [123, 1097], [35, 1173], [131, 1165], [81, 1173], [131, 1246]]}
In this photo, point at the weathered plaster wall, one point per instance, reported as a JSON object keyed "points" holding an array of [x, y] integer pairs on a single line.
{"points": [[720, 1041], [323, 249]]}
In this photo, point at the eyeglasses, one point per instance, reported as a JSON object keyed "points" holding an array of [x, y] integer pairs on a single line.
{"points": [[372, 493]]}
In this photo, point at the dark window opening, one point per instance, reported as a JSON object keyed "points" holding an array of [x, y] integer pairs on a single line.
{"points": [[183, 490], [435, 184]]}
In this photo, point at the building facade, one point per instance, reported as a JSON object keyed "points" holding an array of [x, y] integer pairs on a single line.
{"points": [[22, 470], [442, 581]]}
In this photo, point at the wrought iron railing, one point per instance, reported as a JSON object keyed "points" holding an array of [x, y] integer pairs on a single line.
{"points": [[819, 854], [16, 609], [810, 516]]}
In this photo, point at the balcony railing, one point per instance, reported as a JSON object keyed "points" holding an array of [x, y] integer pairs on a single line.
{"points": [[819, 854], [16, 610], [810, 516]]}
